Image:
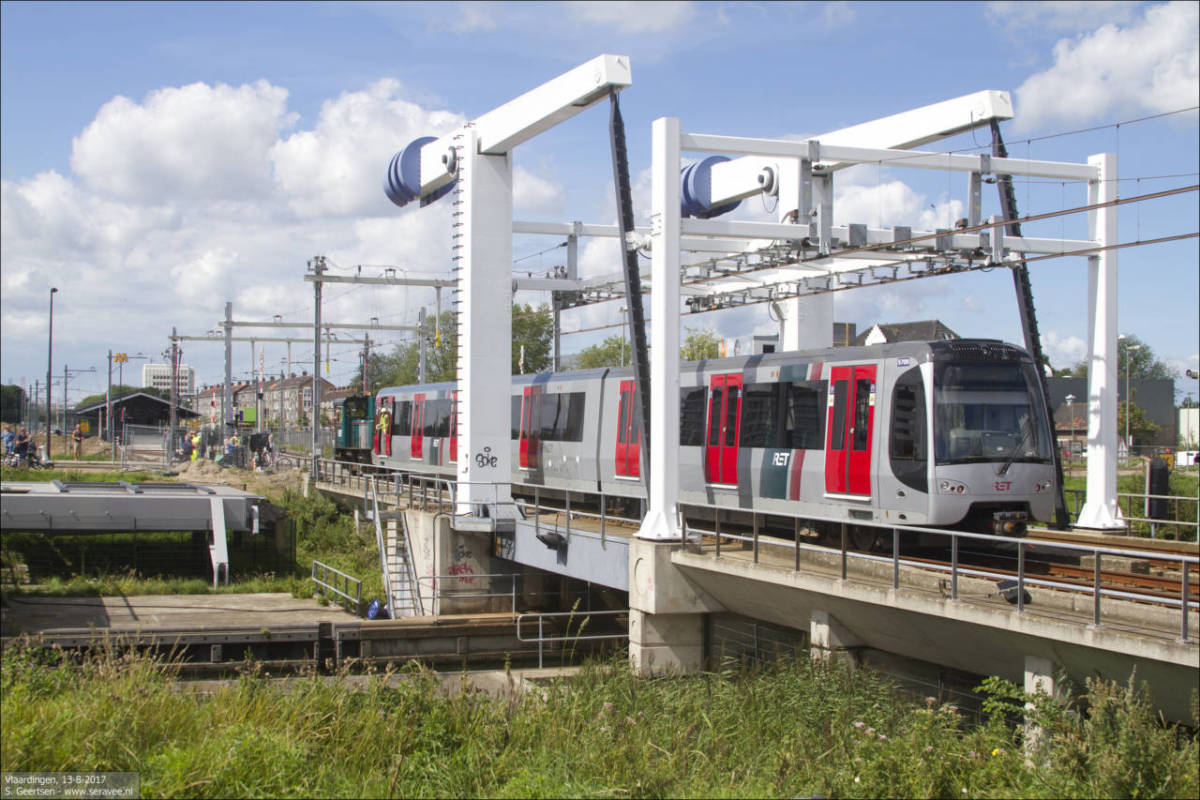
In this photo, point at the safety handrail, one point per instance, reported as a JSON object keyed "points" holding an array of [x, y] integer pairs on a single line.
{"points": [[436, 591], [1186, 562], [381, 545], [321, 576], [542, 639]]}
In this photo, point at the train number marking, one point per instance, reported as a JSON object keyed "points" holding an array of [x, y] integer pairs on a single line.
{"points": [[780, 459]]}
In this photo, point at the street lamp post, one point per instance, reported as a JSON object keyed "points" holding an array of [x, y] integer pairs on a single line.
{"points": [[1129, 348], [623, 311], [1071, 450], [49, 368]]}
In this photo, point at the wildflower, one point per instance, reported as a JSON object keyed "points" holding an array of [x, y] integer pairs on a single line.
{"points": [[859, 725], [856, 779], [928, 748], [883, 737], [930, 702], [870, 731], [964, 791], [608, 707], [997, 751]]}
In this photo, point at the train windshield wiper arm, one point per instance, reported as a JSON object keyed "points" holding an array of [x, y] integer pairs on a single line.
{"points": [[1026, 429]]}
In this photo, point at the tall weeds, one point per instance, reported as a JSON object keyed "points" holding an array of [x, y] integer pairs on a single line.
{"points": [[790, 729]]}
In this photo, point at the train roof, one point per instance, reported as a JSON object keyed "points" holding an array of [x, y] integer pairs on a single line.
{"points": [[966, 349]]}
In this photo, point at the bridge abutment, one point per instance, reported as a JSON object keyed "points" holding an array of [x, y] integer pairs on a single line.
{"points": [[666, 612]]}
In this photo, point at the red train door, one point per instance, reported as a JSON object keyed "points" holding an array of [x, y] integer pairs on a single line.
{"points": [[724, 428], [629, 434], [851, 430], [454, 426], [531, 421], [417, 417]]}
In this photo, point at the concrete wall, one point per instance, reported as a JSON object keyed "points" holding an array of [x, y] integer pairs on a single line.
{"points": [[461, 559]]}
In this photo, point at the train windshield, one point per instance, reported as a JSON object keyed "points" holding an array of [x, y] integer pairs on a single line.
{"points": [[988, 412], [356, 408]]}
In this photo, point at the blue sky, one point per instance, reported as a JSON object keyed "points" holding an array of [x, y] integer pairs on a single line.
{"points": [[160, 159]]}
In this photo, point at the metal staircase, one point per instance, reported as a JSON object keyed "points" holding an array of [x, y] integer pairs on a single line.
{"points": [[395, 561]]}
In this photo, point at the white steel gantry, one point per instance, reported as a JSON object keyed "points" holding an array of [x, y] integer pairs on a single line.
{"points": [[813, 223], [474, 162]]}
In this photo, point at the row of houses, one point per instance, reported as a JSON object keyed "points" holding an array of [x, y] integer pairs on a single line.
{"points": [[287, 401]]}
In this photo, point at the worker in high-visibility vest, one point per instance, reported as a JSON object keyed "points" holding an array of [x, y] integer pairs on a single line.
{"points": [[383, 432], [196, 445]]}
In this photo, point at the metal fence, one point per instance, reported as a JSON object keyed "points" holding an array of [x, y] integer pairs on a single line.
{"points": [[1187, 564], [330, 579]]}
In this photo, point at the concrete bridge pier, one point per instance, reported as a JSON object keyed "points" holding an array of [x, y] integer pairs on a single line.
{"points": [[666, 612], [829, 639]]}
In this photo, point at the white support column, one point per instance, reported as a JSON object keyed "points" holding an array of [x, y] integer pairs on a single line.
{"points": [[1101, 510], [807, 321], [485, 308], [660, 522]]}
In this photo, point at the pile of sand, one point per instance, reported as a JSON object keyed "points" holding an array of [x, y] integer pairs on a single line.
{"points": [[270, 484]]}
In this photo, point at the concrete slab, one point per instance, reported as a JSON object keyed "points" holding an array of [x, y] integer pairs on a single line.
{"points": [[149, 612]]}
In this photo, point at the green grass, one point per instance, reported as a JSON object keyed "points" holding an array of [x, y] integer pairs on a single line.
{"points": [[793, 729], [24, 475], [1183, 484]]}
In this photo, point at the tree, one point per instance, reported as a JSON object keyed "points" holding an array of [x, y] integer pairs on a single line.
{"points": [[1135, 356], [612, 352], [534, 329], [12, 402], [699, 345], [1141, 427]]}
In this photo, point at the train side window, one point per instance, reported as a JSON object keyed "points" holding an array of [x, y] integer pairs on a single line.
{"points": [[804, 423], [862, 412], [714, 418], [761, 416], [838, 434], [548, 425], [516, 417], [908, 443], [573, 417], [437, 418], [691, 416], [401, 420]]}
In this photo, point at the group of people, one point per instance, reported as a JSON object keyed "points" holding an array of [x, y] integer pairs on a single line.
{"points": [[19, 447], [262, 446]]}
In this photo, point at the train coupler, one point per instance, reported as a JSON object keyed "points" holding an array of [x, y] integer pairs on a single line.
{"points": [[1010, 523]]}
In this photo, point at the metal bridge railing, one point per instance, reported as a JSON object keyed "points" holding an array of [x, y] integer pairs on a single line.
{"points": [[582, 616], [339, 583], [1128, 501], [1187, 564]]}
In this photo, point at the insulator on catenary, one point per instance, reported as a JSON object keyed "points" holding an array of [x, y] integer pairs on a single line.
{"points": [[696, 190], [402, 182]]}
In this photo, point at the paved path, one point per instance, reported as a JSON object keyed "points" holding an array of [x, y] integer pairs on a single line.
{"points": [[147, 612]]}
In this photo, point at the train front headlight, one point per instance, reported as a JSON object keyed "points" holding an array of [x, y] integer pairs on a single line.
{"points": [[1043, 486], [946, 486]]}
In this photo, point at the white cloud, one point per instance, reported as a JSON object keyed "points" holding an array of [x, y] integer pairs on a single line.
{"points": [[189, 142], [1063, 351], [634, 17], [1153, 65], [1025, 16], [338, 166], [474, 17], [838, 14], [532, 193]]}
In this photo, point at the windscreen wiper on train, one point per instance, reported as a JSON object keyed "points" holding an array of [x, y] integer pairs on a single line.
{"points": [[1026, 429]]}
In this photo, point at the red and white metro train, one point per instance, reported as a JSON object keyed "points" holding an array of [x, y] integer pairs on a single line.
{"points": [[944, 433]]}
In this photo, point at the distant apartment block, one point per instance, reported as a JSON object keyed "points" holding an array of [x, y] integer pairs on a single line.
{"points": [[158, 376]]}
